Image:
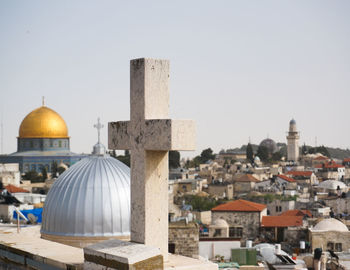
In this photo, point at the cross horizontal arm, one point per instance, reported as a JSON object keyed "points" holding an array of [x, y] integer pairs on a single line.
{"points": [[156, 135], [167, 134]]}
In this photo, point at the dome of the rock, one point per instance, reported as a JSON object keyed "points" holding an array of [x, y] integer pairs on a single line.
{"points": [[43, 122], [89, 202]]}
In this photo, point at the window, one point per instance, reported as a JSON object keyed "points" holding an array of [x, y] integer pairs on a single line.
{"points": [[217, 232], [330, 246], [59, 144], [236, 232], [51, 143], [338, 247]]}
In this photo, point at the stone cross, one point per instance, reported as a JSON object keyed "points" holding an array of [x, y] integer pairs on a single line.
{"points": [[98, 126], [150, 134]]}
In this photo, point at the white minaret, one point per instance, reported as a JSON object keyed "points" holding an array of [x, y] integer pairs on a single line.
{"points": [[293, 141]]}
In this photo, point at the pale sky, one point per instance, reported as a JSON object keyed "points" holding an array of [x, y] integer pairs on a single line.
{"points": [[240, 69]]}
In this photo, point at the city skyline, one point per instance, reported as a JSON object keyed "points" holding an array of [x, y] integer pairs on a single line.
{"points": [[240, 70]]}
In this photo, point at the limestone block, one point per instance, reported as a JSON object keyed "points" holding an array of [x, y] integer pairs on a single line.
{"points": [[167, 134], [122, 255], [118, 135]]}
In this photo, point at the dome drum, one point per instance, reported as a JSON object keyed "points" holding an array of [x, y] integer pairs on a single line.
{"points": [[42, 144]]}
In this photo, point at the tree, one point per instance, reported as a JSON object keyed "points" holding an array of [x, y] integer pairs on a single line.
{"points": [[124, 158], [43, 173], [206, 155], [53, 168], [174, 159], [304, 149], [33, 176], [250, 153], [263, 153], [60, 170]]}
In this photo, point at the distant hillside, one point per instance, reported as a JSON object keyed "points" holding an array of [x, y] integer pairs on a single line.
{"points": [[336, 153]]}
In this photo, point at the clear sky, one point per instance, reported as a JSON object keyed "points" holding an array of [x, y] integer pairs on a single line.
{"points": [[240, 69]]}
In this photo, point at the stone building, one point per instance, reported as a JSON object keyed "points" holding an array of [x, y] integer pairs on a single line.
{"points": [[243, 217], [184, 238], [276, 207], [221, 189], [304, 178], [330, 234], [219, 229], [284, 229], [9, 174], [245, 183]]}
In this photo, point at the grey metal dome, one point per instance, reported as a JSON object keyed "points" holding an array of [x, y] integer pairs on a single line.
{"points": [[90, 199], [270, 145], [292, 122]]}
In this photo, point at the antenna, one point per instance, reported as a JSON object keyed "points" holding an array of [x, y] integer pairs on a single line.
{"points": [[249, 140], [98, 126], [315, 141]]}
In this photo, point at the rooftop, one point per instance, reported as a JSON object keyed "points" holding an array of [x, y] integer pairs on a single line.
{"points": [[297, 212], [247, 178], [284, 177], [282, 221], [239, 206], [13, 189]]}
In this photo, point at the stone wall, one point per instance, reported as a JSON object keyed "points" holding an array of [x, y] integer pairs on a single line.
{"points": [[249, 221], [185, 237], [339, 205], [320, 239]]}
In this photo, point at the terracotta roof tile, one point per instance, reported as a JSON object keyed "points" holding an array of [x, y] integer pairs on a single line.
{"points": [[282, 221], [239, 206], [247, 178], [284, 177], [297, 212], [300, 173], [321, 158], [346, 159], [14, 189], [329, 165]]}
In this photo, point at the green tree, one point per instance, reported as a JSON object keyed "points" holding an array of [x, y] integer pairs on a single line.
{"points": [[304, 149], [174, 159], [124, 158], [53, 168], [33, 176], [263, 153], [43, 173], [60, 170], [206, 155], [250, 153]]}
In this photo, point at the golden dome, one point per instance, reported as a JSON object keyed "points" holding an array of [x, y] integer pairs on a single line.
{"points": [[43, 123]]}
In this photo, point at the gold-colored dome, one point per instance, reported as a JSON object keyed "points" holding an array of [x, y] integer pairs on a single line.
{"points": [[43, 123]]}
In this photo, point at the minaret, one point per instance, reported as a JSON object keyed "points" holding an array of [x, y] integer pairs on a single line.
{"points": [[293, 142]]}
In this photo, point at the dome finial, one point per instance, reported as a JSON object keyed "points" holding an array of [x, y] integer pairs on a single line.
{"points": [[98, 126], [99, 148], [43, 100]]}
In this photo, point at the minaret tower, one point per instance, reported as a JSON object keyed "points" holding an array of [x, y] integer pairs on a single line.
{"points": [[293, 142]]}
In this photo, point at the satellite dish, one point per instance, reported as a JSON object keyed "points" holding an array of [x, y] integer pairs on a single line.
{"points": [[32, 218]]}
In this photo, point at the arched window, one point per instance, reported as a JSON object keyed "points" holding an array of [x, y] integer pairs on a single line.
{"points": [[59, 144]]}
